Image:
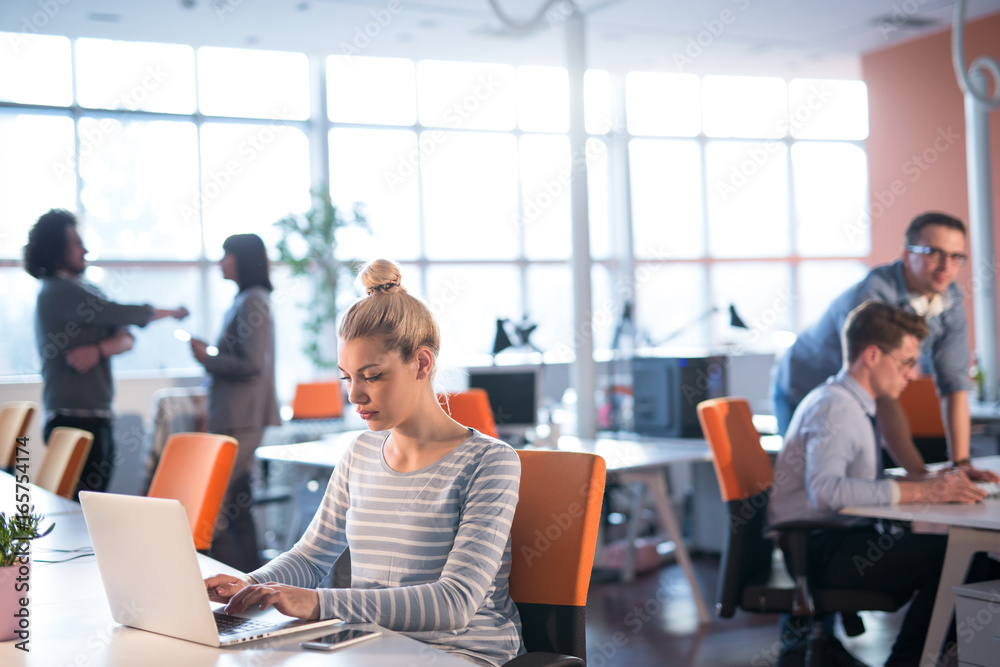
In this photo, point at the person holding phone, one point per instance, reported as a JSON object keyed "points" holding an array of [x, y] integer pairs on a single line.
{"points": [[424, 503], [241, 395]]}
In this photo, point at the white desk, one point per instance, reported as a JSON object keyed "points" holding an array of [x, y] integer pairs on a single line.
{"points": [[638, 462], [71, 621], [971, 528], [45, 502]]}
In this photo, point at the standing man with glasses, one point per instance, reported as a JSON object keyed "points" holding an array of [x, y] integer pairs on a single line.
{"points": [[922, 281]]}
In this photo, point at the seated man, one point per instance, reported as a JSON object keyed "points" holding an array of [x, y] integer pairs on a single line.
{"points": [[831, 460]]}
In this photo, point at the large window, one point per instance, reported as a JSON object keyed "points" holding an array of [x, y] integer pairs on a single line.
{"points": [[708, 192], [745, 191]]}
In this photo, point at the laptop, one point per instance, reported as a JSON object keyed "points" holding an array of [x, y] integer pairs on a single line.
{"points": [[150, 571]]}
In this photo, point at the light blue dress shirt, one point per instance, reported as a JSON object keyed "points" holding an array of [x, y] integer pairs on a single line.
{"points": [[830, 458]]}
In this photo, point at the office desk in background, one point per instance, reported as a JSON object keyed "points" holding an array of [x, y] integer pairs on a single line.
{"points": [[638, 462], [71, 621], [44, 502], [985, 419], [971, 528]]}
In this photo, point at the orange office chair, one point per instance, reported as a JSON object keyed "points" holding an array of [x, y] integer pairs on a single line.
{"points": [[318, 400], [553, 539], [65, 455], [747, 577], [195, 469], [922, 406], [471, 408], [15, 417]]}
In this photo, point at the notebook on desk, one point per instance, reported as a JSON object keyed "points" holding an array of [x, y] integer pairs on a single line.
{"points": [[149, 568]]}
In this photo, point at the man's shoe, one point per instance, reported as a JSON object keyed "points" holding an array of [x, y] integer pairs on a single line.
{"points": [[793, 655]]}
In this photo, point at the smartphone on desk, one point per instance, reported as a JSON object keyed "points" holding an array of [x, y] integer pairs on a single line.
{"points": [[340, 639]]}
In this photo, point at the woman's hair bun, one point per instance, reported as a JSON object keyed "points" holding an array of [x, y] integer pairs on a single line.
{"points": [[380, 275]]}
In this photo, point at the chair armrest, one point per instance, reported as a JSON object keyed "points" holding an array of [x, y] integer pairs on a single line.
{"points": [[541, 659]]}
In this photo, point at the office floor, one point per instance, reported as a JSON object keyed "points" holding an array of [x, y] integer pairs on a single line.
{"points": [[652, 621]]}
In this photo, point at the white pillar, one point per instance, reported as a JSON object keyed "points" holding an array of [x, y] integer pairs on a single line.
{"points": [[984, 267], [583, 341]]}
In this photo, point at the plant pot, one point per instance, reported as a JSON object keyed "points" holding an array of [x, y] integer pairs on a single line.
{"points": [[10, 602]]}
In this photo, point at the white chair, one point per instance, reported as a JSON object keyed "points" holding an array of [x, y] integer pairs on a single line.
{"points": [[15, 417], [65, 455]]}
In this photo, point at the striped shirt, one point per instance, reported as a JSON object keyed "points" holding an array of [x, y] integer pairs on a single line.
{"points": [[430, 549]]}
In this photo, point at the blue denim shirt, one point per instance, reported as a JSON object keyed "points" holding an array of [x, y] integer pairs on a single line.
{"points": [[816, 354]]}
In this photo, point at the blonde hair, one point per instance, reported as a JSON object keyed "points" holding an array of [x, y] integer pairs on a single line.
{"points": [[400, 320]]}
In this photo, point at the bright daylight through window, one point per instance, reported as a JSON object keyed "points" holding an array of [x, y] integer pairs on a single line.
{"points": [[736, 186]]}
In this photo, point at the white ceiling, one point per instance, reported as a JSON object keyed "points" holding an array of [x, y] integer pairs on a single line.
{"points": [[777, 37]]}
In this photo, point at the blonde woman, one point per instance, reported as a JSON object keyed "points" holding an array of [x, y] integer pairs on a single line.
{"points": [[424, 503]]}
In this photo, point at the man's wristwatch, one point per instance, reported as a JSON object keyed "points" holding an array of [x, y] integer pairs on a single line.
{"points": [[963, 463]]}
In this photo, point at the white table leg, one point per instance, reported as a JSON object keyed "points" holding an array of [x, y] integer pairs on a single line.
{"points": [[638, 489], [963, 543], [656, 484]]}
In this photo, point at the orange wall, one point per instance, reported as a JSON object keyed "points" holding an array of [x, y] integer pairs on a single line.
{"points": [[916, 145]]}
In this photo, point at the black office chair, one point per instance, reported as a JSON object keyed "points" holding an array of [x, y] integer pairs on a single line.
{"points": [[748, 578]]}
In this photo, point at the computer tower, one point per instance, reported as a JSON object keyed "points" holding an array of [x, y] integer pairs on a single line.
{"points": [[667, 391]]}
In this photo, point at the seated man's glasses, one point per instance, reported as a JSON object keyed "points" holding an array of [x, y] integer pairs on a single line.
{"points": [[904, 364], [939, 255]]}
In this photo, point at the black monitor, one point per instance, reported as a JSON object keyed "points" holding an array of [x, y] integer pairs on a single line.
{"points": [[514, 393]]}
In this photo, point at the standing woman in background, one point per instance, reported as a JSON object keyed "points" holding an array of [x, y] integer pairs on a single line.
{"points": [[241, 396]]}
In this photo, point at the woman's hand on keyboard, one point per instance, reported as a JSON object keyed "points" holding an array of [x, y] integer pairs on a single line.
{"points": [[222, 587], [289, 600]]}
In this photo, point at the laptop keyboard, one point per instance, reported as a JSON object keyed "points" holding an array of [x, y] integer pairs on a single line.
{"points": [[992, 489], [233, 625]]}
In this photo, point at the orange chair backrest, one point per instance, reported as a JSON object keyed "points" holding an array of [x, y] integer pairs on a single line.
{"points": [[65, 455], [195, 469], [554, 534], [15, 417], [741, 464], [471, 408], [318, 400], [922, 406]]}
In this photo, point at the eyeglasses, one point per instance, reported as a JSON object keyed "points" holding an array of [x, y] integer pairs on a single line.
{"points": [[939, 255], [904, 364]]}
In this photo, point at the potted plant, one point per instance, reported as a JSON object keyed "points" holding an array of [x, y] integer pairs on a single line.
{"points": [[308, 246], [16, 532]]}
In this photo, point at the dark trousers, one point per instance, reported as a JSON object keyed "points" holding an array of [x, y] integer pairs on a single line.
{"points": [[897, 561], [235, 539], [101, 462]]}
